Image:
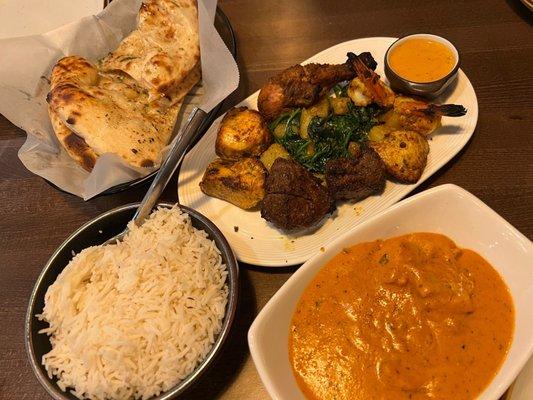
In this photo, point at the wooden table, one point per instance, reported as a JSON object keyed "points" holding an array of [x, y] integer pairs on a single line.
{"points": [[495, 39]]}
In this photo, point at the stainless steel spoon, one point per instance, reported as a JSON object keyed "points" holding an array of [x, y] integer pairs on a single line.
{"points": [[177, 151]]}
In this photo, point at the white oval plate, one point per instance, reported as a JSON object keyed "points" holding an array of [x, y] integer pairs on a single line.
{"points": [[257, 242]]}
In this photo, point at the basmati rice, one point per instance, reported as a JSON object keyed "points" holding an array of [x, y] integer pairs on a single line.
{"points": [[133, 319]]}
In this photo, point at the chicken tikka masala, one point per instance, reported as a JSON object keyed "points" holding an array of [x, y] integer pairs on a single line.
{"points": [[412, 317]]}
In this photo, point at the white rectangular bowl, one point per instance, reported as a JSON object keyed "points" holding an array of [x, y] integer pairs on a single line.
{"points": [[446, 209]]}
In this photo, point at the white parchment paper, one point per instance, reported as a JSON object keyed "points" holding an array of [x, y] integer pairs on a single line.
{"points": [[25, 67]]}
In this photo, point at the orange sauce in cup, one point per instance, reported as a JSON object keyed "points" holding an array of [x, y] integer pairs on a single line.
{"points": [[422, 60]]}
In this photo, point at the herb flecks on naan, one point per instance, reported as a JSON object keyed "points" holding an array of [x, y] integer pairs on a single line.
{"points": [[163, 50], [110, 112], [111, 108]]}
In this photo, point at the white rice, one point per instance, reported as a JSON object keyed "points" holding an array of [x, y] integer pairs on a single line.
{"points": [[133, 319]]}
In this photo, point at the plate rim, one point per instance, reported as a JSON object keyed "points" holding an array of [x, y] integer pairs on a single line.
{"points": [[297, 260]]}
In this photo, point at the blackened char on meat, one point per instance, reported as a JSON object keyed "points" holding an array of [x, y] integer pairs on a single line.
{"points": [[294, 199], [355, 178]]}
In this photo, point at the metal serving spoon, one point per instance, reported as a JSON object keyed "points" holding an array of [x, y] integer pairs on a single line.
{"points": [[179, 146]]}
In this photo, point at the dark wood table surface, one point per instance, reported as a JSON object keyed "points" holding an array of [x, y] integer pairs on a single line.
{"points": [[495, 40]]}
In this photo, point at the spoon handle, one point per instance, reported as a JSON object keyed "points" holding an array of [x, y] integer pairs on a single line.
{"points": [[177, 151]]}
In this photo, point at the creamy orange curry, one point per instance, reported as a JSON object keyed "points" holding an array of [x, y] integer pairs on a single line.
{"points": [[421, 60], [412, 317]]}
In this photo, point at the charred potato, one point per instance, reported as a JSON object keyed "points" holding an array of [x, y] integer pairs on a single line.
{"points": [[320, 109], [240, 182], [271, 154], [242, 133], [404, 154]]}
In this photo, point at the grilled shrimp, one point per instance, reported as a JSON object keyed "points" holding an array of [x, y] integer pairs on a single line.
{"points": [[367, 87], [419, 116], [407, 113]]}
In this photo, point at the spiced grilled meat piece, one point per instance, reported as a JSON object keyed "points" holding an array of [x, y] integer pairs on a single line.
{"points": [[355, 178], [304, 85], [294, 199]]}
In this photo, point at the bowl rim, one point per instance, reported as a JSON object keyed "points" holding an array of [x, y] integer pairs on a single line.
{"points": [[232, 281], [440, 39], [256, 348]]}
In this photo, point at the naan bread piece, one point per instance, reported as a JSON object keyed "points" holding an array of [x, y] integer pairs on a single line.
{"points": [[110, 112], [106, 127], [75, 146], [163, 50], [73, 69]]}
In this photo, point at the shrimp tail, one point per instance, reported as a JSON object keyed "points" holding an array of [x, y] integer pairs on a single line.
{"points": [[367, 59], [369, 78], [448, 110]]}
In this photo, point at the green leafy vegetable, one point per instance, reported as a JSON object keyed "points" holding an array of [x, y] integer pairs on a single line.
{"points": [[328, 137], [340, 90]]}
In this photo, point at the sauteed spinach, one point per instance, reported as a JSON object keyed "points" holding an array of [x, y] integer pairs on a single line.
{"points": [[329, 137]]}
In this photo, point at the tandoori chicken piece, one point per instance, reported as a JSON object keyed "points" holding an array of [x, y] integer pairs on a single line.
{"points": [[404, 154], [304, 85]]}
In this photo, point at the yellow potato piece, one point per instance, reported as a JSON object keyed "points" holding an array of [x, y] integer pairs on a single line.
{"points": [[271, 154], [242, 133], [320, 109], [404, 154]]}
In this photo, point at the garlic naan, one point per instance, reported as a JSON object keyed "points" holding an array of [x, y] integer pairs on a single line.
{"points": [[110, 108], [163, 50], [110, 112]]}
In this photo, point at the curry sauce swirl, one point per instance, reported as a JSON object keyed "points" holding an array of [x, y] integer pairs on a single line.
{"points": [[412, 317]]}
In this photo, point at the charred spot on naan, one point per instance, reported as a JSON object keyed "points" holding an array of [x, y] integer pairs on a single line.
{"points": [[75, 146], [74, 70], [67, 93], [78, 145], [147, 163]]}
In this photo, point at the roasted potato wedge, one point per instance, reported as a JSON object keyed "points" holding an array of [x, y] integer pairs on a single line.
{"points": [[320, 109], [242, 133], [339, 105], [271, 154], [404, 154], [378, 132], [240, 182]]}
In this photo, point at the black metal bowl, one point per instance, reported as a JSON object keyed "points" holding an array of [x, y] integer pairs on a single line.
{"points": [[95, 232]]}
